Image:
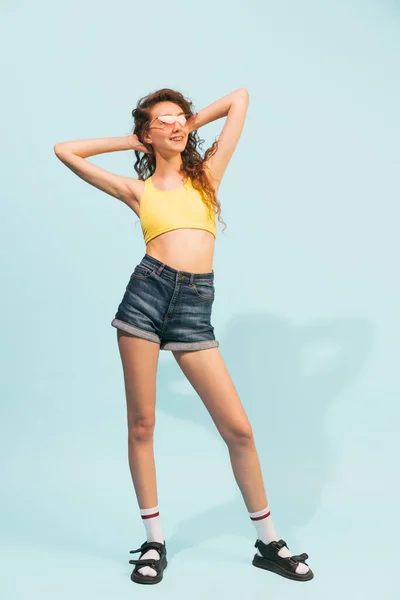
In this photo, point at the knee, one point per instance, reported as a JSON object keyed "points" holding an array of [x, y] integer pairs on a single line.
{"points": [[239, 435], [141, 429]]}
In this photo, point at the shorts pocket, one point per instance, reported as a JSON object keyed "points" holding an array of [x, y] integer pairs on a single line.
{"points": [[143, 271], [205, 291]]}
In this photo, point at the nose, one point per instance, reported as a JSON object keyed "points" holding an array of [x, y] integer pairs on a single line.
{"points": [[177, 126]]}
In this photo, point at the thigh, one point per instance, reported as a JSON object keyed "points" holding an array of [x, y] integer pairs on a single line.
{"points": [[139, 361], [207, 372]]}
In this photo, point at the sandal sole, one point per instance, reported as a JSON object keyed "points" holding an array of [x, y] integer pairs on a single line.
{"points": [[148, 579], [269, 565]]}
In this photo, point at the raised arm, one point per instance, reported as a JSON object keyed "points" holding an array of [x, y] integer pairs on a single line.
{"points": [[234, 107], [73, 154]]}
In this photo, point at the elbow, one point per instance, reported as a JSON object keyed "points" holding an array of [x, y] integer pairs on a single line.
{"points": [[60, 147], [242, 95]]}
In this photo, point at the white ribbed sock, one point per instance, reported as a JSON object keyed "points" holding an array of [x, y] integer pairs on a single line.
{"points": [[151, 521], [267, 534]]}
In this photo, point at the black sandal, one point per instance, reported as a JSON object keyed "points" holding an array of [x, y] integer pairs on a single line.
{"points": [[157, 564], [282, 566]]}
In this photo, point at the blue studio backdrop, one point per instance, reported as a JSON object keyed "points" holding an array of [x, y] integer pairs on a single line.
{"points": [[306, 308]]}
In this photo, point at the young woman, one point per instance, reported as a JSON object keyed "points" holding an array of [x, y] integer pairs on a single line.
{"points": [[168, 301]]}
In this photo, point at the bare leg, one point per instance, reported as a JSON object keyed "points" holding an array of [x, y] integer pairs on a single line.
{"points": [[247, 472], [207, 372], [209, 376], [139, 360]]}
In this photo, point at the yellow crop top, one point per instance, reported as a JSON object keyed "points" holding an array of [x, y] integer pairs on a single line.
{"points": [[165, 210]]}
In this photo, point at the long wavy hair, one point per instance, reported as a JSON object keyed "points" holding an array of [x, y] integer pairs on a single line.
{"points": [[192, 161]]}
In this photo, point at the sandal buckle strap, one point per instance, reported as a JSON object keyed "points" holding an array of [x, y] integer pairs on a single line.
{"points": [[148, 546], [277, 545], [300, 557], [145, 562]]}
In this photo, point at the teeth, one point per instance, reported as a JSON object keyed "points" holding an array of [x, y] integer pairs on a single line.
{"points": [[176, 138]]}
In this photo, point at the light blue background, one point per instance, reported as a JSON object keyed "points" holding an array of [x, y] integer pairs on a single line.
{"points": [[306, 310]]}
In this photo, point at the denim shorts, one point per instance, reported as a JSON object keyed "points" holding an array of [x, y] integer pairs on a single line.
{"points": [[169, 307]]}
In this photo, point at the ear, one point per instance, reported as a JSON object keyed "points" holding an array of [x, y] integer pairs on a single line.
{"points": [[147, 139]]}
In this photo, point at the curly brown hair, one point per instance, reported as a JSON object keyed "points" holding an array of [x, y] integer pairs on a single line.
{"points": [[192, 163]]}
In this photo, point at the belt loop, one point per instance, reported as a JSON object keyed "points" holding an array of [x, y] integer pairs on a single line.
{"points": [[160, 269], [191, 278]]}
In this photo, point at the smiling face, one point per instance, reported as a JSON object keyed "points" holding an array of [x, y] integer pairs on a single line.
{"points": [[160, 134]]}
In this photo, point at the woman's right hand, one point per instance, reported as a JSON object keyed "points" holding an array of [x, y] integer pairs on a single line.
{"points": [[135, 144]]}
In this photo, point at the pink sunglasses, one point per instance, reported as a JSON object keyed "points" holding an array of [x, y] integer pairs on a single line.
{"points": [[171, 119]]}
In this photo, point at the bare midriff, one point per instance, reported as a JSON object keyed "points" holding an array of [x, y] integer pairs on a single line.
{"points": [[190, 250]]}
